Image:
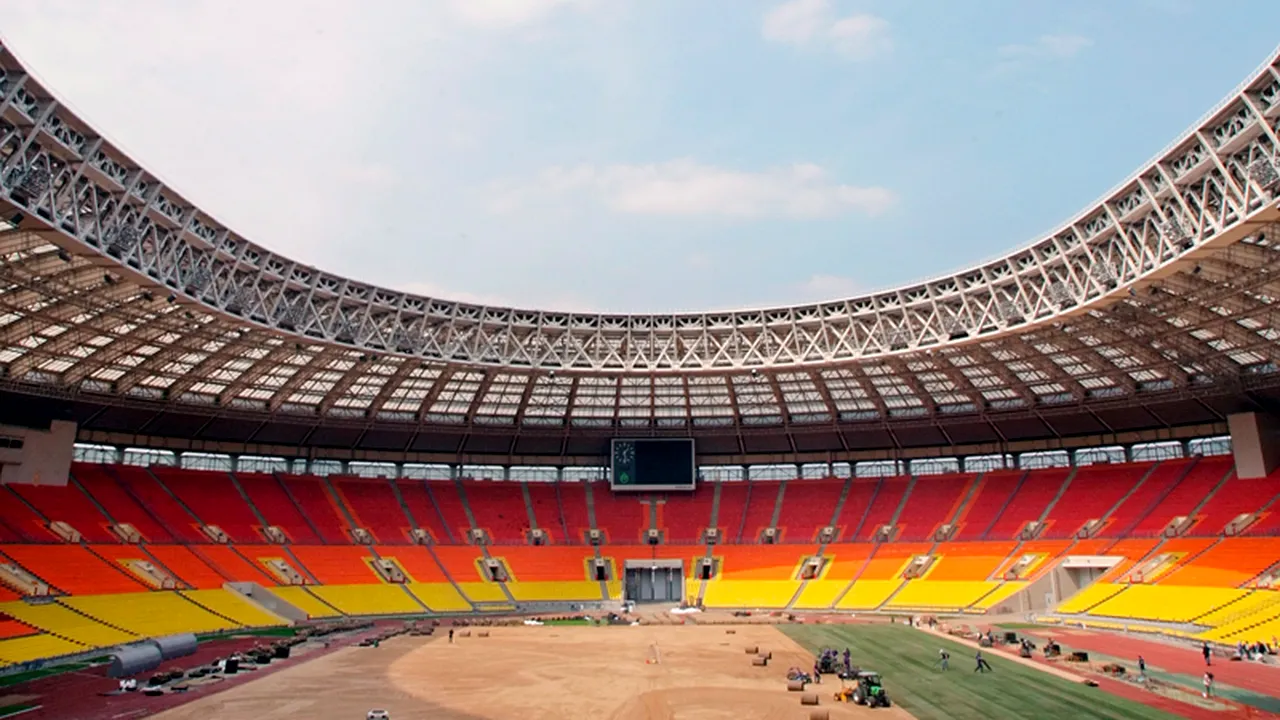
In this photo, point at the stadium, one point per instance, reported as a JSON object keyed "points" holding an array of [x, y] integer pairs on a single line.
{"points": [[261, 489]]}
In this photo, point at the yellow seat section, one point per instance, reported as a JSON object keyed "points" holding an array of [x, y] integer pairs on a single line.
{"points": [[1266, 602], [299, 597], [233, 605], [1166, 604], [819, 594], [750, 593], [868, 594], [483, 592], [999, 595], [152, 614], [36, 647], [940, 594], [368, 599], [54, 618], [1089, 597], [440, 597], [614, 589], [551, 591]]}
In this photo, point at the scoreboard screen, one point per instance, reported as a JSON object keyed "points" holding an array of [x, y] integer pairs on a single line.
{"points": [[653, 464]]}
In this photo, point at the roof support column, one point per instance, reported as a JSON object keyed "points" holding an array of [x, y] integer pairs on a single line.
{"points": [[1255, 443]]}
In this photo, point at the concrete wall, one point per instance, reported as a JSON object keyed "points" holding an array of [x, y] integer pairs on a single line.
{"points": [[43, 459], [266, 599], [1255, 443]]}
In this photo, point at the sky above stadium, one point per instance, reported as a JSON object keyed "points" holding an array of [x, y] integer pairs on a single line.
{"points": [[641, 155]]}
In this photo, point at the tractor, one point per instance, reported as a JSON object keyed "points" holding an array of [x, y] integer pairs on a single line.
{"points": [[867, 689]]}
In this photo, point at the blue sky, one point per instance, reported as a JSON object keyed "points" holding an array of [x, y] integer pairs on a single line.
{"points": [[641, 154]]}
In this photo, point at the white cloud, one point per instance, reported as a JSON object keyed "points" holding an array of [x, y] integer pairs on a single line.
{"points": [[1046, 47], [685, 188], [505, 14], [828, 287], [815, 23]]}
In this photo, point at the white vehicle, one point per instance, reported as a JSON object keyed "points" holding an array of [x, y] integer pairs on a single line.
{"points": [[378, 715]]}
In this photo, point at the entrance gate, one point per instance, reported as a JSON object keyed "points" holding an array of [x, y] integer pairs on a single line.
{"points": [[660, 581]]}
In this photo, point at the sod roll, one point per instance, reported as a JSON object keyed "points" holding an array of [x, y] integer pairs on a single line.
{"points": [[809, 699]]}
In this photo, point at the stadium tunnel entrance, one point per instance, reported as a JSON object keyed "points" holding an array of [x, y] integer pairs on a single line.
{"points": [[654, 581]]}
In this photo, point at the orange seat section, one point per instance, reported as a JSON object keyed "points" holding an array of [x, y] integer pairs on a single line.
{"points": [[889, 560], [1231, 563], [72, 569], [761, 562], [536, 564], [231, 563], [184, 563], [19, 523], [969, 561], [733, 505], [845, 560], [417, 562], [337, 565]]}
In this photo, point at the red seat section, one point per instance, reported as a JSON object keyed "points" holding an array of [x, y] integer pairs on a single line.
{"points": [[622, 517], [733, 506], [682, 516], [1093, 491], [139, 483], [573, 507], [762, 499], [119, 504], [1184, 496], [452, 511], [545, 499], [861, 494], [10, 628], [1237, 497], [807, 506], [1152, 490], [214, 499], [188, 566], [882, 508], [340, 565], [995, 489], [73, 569], [21, 521], [374, 507], [932, 502], [499, 508], [70, 505], [1038, 489], [424, 512], [313, 499], [277, 508], [231, 563]]}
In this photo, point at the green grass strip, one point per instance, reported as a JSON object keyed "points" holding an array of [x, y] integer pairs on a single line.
{"points": [[906, 657]]}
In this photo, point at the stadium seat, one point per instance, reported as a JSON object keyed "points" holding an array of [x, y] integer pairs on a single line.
{"points": [[422, 509], [682, 517], [806, 508], [368, 599], [71, 505], [311, 496], [762, 500], [888, 498], [762, 562], [19, 523], [545, 499], [73, 569], [232, 563], [750, 593], [499, 509], [933, 501], [268, 495], [338, 565], [214, 499], [439, 597], [36, 647], [995, 490], [621, 516], [149, 614], [540, 564], [536, 591], [373, 506], [940, 596], [100, 484], [140, 484], [1159, 603], [62, 622], [235, 607], [444, 494], [868, 594], [1028, 503], [301, 598], [1090, 495], [187, 566]]}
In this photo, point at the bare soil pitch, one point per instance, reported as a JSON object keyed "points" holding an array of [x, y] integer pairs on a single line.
{"points": [[541, 673]]}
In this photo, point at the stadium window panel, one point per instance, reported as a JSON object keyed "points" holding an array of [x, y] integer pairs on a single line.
{"points": [[252, 463], [145, 457], [635, 398], [371, 469], [585, 473], [99, 454], [848, 394], [481, 472], [1097, 455], [801, 396], [819, 471], [771, 472], [325, 468], [409, 395], [427, 472], [719, 473], [548, 401], [503, 396], [877, 469], [709, 402], [596, 398], [756, 400], [1041, 460], [1153, 452], [524, 473], [1211, 446], [987, 463], [205, 461], [669, 400], [935, 466], [365, 388]]}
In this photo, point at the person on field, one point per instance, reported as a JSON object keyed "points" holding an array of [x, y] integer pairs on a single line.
{"points": [[1208, 685], [450, 636], [983, 665], [1142, 668], [944, 660], [1207, 653]]}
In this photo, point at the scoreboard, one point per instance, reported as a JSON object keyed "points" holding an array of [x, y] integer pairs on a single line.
{"points": [[651, 464]]}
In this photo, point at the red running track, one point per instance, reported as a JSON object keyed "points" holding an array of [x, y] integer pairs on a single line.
{"points": [[1185, 660]]}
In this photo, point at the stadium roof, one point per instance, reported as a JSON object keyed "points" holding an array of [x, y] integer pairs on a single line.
{"points": [[120, 298]]}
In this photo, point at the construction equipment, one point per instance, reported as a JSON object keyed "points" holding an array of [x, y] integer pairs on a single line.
{"points": [[829, 662], [867, 690]]}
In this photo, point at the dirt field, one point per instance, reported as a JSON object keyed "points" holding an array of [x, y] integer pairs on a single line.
{"points": [[537, 673]]}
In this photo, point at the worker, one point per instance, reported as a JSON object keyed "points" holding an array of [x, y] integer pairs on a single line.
{"points": [[1142, 668], [817, 673], [944, 659], [450, 636], [1208, 685], [983, 665], [1206, 652]]}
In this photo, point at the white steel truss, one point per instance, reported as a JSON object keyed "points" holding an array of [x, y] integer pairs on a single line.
{"points": [[112, 283]]}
